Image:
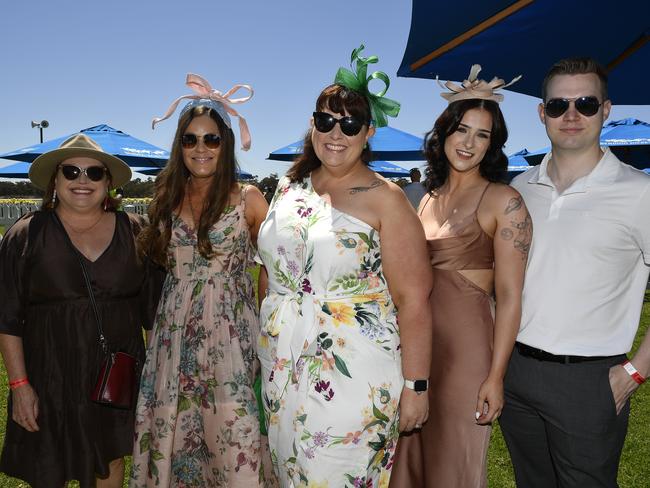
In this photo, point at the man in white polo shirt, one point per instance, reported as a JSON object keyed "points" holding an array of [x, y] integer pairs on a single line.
{"points": [[568, 384]]}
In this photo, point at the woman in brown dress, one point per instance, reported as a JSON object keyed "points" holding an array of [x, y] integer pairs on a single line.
{"points": [[478, 232], [48, 333]]}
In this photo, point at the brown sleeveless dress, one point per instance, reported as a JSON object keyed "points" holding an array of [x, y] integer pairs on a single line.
{"points": [[450, 450]]}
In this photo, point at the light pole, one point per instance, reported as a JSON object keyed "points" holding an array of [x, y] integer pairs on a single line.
{"points": [[43, 124]]}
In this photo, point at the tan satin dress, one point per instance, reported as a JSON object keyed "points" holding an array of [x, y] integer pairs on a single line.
{"points": [[450, 450]]}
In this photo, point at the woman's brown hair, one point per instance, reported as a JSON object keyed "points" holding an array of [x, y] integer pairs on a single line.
{"points": [[170, 191]]}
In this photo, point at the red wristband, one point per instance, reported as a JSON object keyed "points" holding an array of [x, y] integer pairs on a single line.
{"points": [[19, 382], [631, 370]]}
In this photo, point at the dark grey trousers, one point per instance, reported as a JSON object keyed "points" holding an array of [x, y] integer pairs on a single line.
{"points": [[560, 424]]}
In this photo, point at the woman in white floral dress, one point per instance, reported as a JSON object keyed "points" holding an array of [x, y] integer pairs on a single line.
{"points": [[197, 420], [332, 365]]}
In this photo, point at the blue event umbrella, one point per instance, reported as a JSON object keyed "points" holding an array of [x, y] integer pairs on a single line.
{"points": [[388, 169], [131, 150], [21, 170], [629, 140], [517, 163], [525, 37], [387, 144], [241, 174]]}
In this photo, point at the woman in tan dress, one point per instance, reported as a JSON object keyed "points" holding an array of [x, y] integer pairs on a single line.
{"points": [[478, 232]]}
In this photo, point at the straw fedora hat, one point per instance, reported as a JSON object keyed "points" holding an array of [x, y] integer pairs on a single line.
{"points": [[79, 145]]}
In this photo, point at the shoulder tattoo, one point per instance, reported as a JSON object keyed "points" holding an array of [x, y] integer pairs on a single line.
{"points": [[359, 189], [514, 204]]}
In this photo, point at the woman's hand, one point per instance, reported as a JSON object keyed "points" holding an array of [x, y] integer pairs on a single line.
{"points": [[490, 401], [24, 410], [413, 410]]}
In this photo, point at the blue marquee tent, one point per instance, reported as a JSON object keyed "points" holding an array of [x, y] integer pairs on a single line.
{"points": [[387, 144], [629, 140]]}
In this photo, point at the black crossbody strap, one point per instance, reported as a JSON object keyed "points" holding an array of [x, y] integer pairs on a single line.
{"points": [[93, 304], [102, 339]]}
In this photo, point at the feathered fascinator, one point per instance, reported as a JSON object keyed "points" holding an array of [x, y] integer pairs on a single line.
{"points": [[472, 87], [358, 79]]}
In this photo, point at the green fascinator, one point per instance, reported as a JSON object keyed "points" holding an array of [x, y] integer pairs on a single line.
{"points": [[357, 80]]}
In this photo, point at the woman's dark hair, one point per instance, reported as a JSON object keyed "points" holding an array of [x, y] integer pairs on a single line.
{"points": [[337, 99], [494, 165], [48, 203], [170, 191]]}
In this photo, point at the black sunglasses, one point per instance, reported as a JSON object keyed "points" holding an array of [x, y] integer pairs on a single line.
{"points": [[211, 141], [587, 106], [325, 122], [93, 173]]}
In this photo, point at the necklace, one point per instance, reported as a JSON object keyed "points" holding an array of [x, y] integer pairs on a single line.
{"points": [[189, 199], [77, 230]]}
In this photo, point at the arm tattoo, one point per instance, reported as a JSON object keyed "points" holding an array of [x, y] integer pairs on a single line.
{"points": [[514, 204], [359, 189], [524, 235]]}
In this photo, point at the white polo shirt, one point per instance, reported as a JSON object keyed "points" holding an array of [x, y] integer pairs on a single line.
{"points": [[589, 260]]}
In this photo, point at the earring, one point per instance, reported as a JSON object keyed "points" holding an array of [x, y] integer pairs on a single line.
{"points": [[366, 145], [54, 197], [106, 203]]}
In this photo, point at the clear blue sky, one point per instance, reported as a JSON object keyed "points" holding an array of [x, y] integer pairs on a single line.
{"points": [[82, 63]]}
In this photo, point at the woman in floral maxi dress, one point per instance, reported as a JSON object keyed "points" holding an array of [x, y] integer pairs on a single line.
{"points": [[197, 420], [343, 250]]}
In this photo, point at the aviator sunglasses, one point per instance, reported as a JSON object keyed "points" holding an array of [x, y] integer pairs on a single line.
{"points": [[587, 106], [325, 122], [211, 141], [93, 173]]}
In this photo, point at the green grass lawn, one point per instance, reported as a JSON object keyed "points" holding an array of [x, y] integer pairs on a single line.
{"points": [[634, 471]]}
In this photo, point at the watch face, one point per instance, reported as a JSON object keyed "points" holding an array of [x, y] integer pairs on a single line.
{"points": [[420, 385]]}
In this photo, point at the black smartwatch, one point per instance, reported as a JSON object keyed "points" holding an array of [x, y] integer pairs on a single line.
{"points": [[418, 386]]}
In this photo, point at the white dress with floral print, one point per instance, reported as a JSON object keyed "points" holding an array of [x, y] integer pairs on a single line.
{"points": [[329, 345]]}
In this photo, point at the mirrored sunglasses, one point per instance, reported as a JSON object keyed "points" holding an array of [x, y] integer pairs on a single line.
{"points": [[587, 106], [325, 122], [93, 173], [211, 141]]}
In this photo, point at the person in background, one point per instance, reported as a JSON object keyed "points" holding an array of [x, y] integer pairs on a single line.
{"points": [[479, 232], [415, 190], [197, 418], [346, 257], [569, 382], [49, 336]]}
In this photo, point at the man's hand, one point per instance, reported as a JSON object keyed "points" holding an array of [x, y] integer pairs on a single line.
{"points": [[622, 386]]}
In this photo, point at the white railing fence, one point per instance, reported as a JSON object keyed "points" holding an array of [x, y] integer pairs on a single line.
{"points": [[10, 212]]}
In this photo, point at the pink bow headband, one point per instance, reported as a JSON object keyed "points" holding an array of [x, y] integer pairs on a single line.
{"points": [[221, 102], [472, 87]]}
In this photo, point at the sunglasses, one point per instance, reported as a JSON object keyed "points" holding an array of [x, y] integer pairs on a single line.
{"points": [[93, 173], [587, 106], [211, 141], [325, 122]]}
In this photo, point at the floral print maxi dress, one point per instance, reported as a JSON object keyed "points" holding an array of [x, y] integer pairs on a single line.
{"points": [[329, 345], [197, 419]]}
